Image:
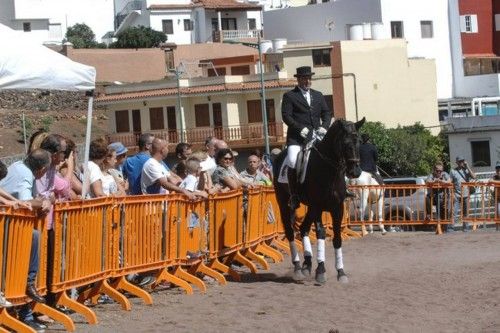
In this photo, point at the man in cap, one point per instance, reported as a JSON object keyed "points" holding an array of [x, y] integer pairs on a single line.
{"points": [[303, 110], [121, 155], [461, 174]]}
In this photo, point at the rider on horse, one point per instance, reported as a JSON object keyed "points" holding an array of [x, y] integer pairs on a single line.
{"points": [[304, 110], [368, 155]]}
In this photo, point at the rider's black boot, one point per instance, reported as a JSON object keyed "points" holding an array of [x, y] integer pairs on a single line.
{"points": [[294, 202]]}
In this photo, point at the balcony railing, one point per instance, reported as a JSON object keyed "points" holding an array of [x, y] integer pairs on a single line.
{"points": [[235, 136], [127, 9], [481, 66], [219, 36]]}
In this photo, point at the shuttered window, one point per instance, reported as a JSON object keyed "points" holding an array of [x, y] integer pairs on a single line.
{"points": [[202, 115], [122, 123], [156, 118]]}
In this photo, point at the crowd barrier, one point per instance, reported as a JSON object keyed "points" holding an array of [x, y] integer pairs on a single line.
{"points": [[96, 244]]}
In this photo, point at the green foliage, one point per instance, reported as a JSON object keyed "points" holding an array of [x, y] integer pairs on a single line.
{"points": [[28, 123], [408, 150], [139, 37], [47, 121], [81, 36]]}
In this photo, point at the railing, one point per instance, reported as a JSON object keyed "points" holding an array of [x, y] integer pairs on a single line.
{"points": [[129, 7], [221, 35], [251, 133]]}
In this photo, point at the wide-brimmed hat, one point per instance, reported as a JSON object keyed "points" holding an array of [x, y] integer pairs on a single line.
{"points": [[304, 71], [118, 147]]}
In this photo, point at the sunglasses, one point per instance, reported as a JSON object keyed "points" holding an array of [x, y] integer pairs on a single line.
{"points": [[439, 171], [228, 158]]}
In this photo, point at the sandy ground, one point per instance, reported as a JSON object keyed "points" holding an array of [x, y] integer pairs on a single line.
{"points": [[401, 282]]}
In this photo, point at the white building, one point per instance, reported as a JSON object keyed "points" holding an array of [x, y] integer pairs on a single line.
{"points": [[197, 21], [46, 21], [423, 24]]}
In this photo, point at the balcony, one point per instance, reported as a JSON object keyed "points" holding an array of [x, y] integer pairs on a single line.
{"points": [[219, 36], [481, 66], [243, 136]]}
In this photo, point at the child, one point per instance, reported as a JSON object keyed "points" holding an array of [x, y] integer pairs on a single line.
{"points": [[190, 183]]}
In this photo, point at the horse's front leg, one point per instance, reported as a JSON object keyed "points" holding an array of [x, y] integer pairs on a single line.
{"points": [[337, 216], [312, 215], [321, 235]]}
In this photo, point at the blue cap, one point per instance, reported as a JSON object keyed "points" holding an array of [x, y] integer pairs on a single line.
{"points": [[118, 147]]}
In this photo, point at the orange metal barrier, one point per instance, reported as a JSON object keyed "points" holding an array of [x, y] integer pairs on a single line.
{"points": [[402, 205], [483, 206]]}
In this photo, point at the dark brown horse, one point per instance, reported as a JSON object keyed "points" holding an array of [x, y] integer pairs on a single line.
{"points": [[324, 189]]}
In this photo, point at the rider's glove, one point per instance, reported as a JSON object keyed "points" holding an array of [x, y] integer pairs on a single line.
{"points": [[304, 132], [321, 131]]}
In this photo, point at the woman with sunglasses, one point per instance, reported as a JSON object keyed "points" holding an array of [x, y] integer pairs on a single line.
{"points": [[222, 174]]}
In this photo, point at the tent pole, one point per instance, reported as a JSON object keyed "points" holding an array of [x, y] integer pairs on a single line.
{"points": [[86, 185], [24, 135]]}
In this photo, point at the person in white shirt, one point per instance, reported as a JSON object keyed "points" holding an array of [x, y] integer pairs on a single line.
{"points": [[97, 153], [191, 182], [155, 177]]}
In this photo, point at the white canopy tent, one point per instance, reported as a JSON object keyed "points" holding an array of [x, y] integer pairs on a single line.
{"points": [[28, 65]]}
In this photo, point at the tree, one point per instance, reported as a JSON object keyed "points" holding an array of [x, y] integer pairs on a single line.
{"points": [[408, 150], [81, 36], [139, 37]]}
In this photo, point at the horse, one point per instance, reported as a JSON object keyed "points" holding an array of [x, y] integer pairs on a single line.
{"points": [[368, 197], [323, 189]]}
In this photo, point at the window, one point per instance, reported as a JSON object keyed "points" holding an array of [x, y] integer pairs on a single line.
{"points": [[26, 26], [221, 71], [156, 118], [254, 111], [497, 22], [188, 25], [169, 59], [240, 70], [136, 121], [167, 26], [202, 115], [321, 58], [426, 29], [122, 124], [468, 23], [329, 103], [252, 24], [480, 153], [397, 30]]}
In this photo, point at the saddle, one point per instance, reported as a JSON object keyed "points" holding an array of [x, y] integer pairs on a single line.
{"points": [[300, 166]]}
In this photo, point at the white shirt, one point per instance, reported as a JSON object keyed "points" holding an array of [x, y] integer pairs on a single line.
{"points": [[307, 95], [152, 171], [208, 165], [95, 174], [190, 183], [109, 184]]}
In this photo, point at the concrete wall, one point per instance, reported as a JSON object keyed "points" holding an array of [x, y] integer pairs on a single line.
{"points": [[180, 36], [390, 88]]}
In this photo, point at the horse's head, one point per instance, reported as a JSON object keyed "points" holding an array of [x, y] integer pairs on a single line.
{"points": [[344, 136]]}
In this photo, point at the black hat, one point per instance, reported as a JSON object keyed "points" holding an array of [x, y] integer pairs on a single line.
{"points": [[304, 71], [365, 137]]}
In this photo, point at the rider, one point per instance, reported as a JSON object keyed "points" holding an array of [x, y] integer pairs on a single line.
{"points": [[368, 156], [303, 110]]}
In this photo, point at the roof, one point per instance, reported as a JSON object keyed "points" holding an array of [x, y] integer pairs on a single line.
{"points": [[209, 4], [244, 86]]}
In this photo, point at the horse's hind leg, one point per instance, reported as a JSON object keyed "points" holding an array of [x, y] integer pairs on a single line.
{"points": [[380, 212]]}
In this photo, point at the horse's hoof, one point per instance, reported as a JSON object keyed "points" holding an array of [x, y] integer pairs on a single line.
{"points": [[320, 273], [384, 232], [341, 276], [364, 233], [371, 231], [307, 267], [297, 273]]}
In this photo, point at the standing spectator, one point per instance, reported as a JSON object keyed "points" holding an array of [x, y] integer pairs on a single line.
{"points": [[155, 178], [438, 196], [97, 153], [209, 163], [252, 174], [132, 167], [111, 185], [182, 151], [205, 179], [20, 183], [264, 163], [191, 182], [461, 174], [496, 192], [76, 179], [117, 170], [7, 199]]}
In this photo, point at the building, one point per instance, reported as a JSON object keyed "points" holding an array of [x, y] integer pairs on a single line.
{"points": [[46, 21], [196, 21], [422, 24], [228, 107]]}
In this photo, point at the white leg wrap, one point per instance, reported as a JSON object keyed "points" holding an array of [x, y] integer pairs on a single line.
{"points": [[321, 250], [306, 241], [294, 252], [339, 263]]}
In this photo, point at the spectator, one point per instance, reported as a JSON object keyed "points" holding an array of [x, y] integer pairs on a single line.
{"points": [[20, 183], [496, 193], [438, 196], [7, 199], [155, 178], [110, 184], [97, 153], [208, 163], [461, 174], [252, 174], [205, 179], [76, 179], [132, 168], [182, 151], [36, 139], [191, 181], [222, 174], [117, 170], [264, 163]]}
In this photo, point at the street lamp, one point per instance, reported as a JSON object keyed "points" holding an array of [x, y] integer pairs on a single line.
{"points": [[179, 106], [262, 90]]}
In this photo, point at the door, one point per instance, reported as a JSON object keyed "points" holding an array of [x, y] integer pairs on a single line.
{"points": [[217, 116], [172, 124], [136, 121], [156, 118]]}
